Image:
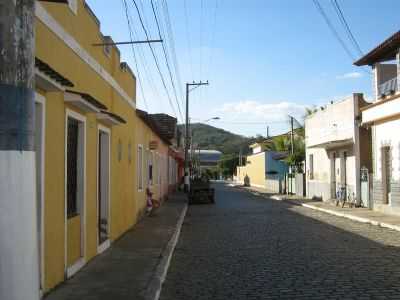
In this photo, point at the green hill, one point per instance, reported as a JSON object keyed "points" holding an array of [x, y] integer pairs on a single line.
{"points": [[212, 138]]}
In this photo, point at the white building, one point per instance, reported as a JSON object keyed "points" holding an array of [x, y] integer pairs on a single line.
{"points": [[336, 149], [383, 116]]}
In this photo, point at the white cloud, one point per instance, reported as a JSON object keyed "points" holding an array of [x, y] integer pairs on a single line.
{"points": [[254, 111], [350, 75]]}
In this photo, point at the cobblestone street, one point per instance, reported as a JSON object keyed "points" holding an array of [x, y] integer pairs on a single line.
{"points": [[248, 247]]}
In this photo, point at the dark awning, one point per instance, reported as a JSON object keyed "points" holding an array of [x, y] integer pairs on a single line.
{"points": [[56, 1], [110, 118], [48, 78], [89, 99], [84, 101]]}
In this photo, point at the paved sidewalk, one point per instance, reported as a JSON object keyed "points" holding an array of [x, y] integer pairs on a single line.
{"points": [[363, 215], [135, 266]]}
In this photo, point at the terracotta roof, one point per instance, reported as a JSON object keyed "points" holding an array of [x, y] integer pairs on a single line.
{"points": [[160, 128], [166, 123], [383, 52]]}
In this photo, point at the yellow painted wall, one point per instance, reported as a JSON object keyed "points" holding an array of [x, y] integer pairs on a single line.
{"points": [[123, 207], [254, 168], [74, 240]]}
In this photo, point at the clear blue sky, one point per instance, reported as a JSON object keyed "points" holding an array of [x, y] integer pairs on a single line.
{"points": [[264, 59]]}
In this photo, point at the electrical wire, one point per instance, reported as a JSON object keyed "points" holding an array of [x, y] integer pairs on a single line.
{"points": [[188, 37], [171, 39], [134, 54], [342, 19], [155, 59], [333, 30], [166, 58]]}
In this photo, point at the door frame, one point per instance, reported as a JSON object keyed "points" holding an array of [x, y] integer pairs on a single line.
{"points": [[70, 271], [105, 245], [333, 157], [42, 101]]}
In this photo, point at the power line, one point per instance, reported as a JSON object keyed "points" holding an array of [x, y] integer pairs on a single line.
{"points": [[171, 43], [333, 30], [252, 123], [166, 58], [134, 54], [213, 33], [201, 37], [143, 61], [155, 59], [350, 35], [188, 37]]}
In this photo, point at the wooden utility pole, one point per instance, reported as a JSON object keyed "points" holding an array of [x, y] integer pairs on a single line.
{"points": [[188, 90], [19, 259]]}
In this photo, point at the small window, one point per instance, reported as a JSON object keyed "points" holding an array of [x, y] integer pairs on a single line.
{"points": [[140, 167], [73, 5], [107, 50], [311, 166]]}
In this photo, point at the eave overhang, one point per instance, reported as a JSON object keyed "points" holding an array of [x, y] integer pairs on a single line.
{"points": [[84, 101], [333, 144], [385, 51], [110, 118], [381, 111]]}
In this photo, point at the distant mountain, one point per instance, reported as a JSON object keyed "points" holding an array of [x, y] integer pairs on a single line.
{"points": [[212, 138]]}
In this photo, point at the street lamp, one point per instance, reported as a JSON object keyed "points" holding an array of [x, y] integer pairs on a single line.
{"points": [[208, 120]]}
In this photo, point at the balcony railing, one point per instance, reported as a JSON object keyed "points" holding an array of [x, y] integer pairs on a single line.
{"points": [[388, 88]]}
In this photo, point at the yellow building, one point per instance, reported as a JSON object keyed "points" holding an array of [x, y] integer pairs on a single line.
{"points": [[263, 168], [86, 130]]}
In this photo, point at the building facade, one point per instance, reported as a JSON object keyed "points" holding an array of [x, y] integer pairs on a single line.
{"points": [[337, 148], [95, 153], [264, 168], [158, 159], [383, 117]]}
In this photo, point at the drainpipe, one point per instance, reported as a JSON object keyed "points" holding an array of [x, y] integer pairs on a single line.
{"points": [[19, 259]]}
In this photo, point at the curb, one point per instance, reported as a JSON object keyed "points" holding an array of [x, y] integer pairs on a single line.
{"points": [[332, 212], [353, 218], [153, 290]]}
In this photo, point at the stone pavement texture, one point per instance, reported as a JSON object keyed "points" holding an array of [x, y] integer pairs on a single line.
{"points": [[127, 268], [364, 215], [249, 247]]}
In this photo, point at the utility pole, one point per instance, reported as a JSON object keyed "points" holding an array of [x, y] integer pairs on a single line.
{"points": [[292, 151], [19, 258], [267, 132], [188, 90], [291, 136]]}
